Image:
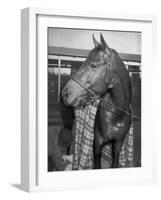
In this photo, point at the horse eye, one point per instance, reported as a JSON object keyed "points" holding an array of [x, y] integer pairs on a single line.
{"points": [[93, 65]]}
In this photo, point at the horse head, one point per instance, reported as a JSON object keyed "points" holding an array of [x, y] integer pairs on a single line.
{"points": [[103, 69]]}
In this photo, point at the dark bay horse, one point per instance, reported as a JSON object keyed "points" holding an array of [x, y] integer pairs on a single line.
{"points": [[103, 75]]}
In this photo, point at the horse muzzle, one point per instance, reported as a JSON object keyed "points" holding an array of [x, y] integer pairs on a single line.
{"points": [[68, 98]]}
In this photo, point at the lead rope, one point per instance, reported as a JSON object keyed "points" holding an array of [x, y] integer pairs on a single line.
{"points": [[119, 108]]}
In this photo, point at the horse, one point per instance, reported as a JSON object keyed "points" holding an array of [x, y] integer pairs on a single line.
{"points": [[104, 75]]}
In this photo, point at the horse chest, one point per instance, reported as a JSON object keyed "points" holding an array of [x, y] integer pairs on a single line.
{"points": [[108, 128]]}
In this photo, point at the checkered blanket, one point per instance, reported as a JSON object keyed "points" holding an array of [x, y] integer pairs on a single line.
{"points": [[83, 130], [126, 153]]}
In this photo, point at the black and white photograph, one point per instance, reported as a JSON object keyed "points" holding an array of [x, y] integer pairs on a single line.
{"points": [[94, 99]]}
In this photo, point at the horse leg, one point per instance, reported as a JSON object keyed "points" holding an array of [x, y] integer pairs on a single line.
{"points": [[116, 148], [98, 141]]}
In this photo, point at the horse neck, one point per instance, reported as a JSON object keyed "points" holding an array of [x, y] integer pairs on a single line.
{"points": [[121, 92], [117, 97]]}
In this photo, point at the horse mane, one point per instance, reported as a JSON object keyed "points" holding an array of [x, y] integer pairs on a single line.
{"points": [[122, 73]]}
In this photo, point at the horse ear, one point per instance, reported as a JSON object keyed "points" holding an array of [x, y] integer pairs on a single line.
{"points": [[103, 43], [96, 43]]}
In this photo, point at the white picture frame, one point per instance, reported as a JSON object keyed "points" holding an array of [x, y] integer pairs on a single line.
{"points": [[34, 22]]}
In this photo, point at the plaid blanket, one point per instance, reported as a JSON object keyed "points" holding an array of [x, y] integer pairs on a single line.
{"points": [[127, 150], [84, 135], [83, 131]]}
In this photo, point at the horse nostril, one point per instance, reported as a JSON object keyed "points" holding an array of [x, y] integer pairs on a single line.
{"points": [[65, 95]]}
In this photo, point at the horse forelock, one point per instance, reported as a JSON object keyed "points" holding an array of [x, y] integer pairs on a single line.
{"points": [[93, 54]]}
